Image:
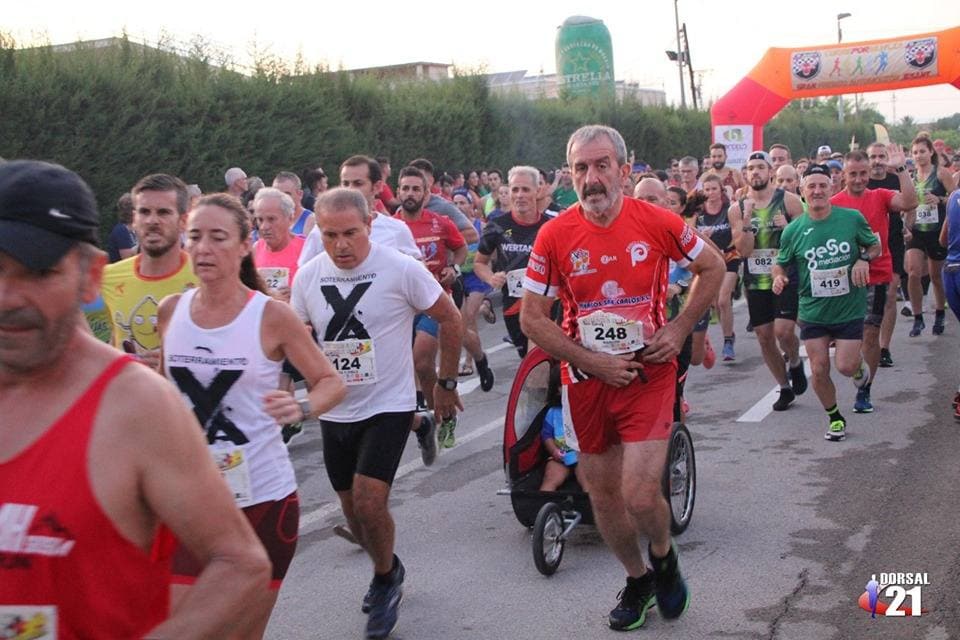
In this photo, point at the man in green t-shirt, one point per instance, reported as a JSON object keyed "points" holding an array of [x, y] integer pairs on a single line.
{"points": [[564, 195], [831, 248]]}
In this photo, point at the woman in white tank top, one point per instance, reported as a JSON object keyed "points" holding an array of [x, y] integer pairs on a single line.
{"points": [[223, 346]]}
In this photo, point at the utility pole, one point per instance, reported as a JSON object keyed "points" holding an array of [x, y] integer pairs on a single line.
{"points": [[689, 63], [676, 17]]}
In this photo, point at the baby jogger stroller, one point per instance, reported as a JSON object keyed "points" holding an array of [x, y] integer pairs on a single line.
{"points": [[554, 514]]}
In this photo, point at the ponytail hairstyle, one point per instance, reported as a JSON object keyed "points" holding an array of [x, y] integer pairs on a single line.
{"points": [[248, 271], [924, 138]]}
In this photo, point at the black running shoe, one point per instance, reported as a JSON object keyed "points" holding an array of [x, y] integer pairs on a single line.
{"points": [[290, 431], [634, 600], [786, 398], [384, 602], [427, 438], [673, 597], [918, 326], [886, 360], [798, 379], [938, 324], [369, 595], [485, 373]]}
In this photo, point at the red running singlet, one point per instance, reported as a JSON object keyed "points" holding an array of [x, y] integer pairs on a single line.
{"points": [[65, 570]]}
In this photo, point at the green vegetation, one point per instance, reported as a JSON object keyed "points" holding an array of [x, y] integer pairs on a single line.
{"points": [[116, 114]]}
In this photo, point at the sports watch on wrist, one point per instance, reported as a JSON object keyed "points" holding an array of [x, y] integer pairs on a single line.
{"points": [[305, 408], [447, 383]]}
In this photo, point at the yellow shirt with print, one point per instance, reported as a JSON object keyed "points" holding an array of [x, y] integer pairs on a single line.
{"points": [[132, 299]]}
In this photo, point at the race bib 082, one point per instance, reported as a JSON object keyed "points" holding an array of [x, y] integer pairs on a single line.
{"points": [[761, 261]]}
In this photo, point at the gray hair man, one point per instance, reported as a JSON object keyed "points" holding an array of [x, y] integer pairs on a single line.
{"points": [[236, 179]]}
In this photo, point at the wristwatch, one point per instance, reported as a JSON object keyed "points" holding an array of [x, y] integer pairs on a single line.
{"points": [[305, 408], [901, 169], [447, 383]]}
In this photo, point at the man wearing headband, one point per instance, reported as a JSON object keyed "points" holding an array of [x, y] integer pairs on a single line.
{"points": [[757, 222], [831, 249], [96, 454]]}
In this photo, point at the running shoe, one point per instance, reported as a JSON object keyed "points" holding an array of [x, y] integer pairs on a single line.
{"points": [[633, 602], [709, 355], [384, 603], [918, 326], [837, 431], [427, 439], [487, 312], [906, 311], [445, 434], [368, 596], [886, 360], [290, 431], [862, 404], [728, 354], [956, 400], [486, 374], [673, 597], [507, 339], [798, 379], [938, 324], [861, 376], [749, 327], [787, 396]]}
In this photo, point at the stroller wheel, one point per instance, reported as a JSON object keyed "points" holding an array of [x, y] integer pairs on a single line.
{"points": [[548, 539], [680, 478]]}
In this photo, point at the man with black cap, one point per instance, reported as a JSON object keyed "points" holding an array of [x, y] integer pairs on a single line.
{"points": [[757, 222], [831, 249], [95, 454]]}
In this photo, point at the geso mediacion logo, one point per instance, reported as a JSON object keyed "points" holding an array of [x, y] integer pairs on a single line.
{"points": [[898, 587]]}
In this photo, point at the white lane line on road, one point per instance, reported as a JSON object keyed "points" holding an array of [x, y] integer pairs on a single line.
{"points": [[320, 513], [764, 406], [499, 347]]}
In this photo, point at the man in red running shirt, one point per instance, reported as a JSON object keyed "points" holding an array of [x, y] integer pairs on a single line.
{"points": [[608, 261], [875, 205], [97, 452], [436, 236]]}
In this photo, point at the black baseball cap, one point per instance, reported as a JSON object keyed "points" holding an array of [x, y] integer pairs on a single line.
{"points": [[45, 210], [817, 170]]}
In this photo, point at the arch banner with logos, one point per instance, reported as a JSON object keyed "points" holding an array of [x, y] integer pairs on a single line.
{"points": [[783, 75]]}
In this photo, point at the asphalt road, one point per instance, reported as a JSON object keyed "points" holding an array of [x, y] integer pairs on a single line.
{"points": [[787, 529]]}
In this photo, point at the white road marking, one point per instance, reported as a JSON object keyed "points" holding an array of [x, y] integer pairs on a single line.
{"points": [[764, 406], [306, 520]]}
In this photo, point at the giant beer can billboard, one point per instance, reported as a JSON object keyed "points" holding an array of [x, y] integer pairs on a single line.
{"points": [[584, 57]]}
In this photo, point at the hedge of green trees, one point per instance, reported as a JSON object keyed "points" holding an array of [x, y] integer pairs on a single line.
{"points": [[116, 114]]}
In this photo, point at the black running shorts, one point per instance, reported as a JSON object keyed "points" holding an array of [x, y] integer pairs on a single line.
{"points": [[370, 447]]}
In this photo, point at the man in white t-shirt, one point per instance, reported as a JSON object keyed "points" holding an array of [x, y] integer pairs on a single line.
{"points": [[363, 174], [361, 299]]}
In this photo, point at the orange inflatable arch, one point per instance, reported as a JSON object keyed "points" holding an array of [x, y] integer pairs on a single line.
{"points": [[783, 75]]}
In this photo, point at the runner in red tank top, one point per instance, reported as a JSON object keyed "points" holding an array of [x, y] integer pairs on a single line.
{"points": [[96, 453], [608, 261]]}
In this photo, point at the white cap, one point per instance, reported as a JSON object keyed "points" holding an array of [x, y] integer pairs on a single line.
{"points": [[824, 149]]}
